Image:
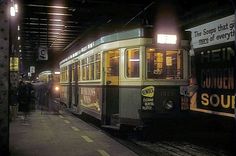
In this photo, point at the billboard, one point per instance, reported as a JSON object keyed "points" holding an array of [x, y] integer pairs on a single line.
{"points": [[14, 64]]}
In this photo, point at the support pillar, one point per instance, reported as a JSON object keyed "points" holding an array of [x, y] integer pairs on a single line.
{"points": [[4, 77]]}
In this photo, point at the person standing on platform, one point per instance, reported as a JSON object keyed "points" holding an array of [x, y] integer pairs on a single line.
{"points": [[13, 102], [49, 94], [24, 98]]}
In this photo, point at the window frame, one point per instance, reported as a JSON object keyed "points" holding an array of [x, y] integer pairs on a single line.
{"points": [[126, 63], [164, 61]]}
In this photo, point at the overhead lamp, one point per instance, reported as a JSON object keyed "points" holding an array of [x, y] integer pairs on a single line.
{"points": [[13, 8], [18, 37], [16, 7], [12, 11], [18, 27]]}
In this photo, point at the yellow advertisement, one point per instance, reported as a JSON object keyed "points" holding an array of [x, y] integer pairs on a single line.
{"points": [[168, 61], [14, 64]]}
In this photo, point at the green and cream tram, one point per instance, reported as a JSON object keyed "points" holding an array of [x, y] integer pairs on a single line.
{"points": [[123, 78]]}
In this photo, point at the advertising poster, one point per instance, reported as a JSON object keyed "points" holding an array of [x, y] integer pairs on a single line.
{"points": [[90, 98], [148, 98], [213, 80]]}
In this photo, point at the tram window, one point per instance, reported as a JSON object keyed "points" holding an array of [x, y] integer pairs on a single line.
{"points": [[91, 68], [73, 73], [63, 74], [164, 64], [84, 69], [133, 62], [78, 70], [66, 74], [113, 63], [97, 66]]}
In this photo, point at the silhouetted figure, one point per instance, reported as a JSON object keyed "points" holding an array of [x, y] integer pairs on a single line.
{"points": [[24, 96], [13, 104]]}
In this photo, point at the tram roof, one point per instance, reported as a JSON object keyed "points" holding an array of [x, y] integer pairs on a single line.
{"points": [[123, 35]]}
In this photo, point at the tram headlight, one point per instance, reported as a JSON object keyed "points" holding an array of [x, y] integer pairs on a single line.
{"points": [[169, 104], [56, 88]]}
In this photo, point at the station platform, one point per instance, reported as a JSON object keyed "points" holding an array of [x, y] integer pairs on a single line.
{"points": [[60, 134]]}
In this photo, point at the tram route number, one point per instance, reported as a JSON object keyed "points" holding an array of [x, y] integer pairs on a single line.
{"points": [[43, 53]]}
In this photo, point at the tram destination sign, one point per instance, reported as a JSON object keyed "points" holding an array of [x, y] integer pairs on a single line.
{"points": [[212, 33]]}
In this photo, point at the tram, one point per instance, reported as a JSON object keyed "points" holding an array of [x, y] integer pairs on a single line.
{"points": [[46, 76], [125, 78], [52, 80]]}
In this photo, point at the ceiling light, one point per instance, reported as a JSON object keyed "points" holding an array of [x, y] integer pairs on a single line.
{"points": [[48, 6], [16, 7], [53, 13], [55, 20], [12, 11]]}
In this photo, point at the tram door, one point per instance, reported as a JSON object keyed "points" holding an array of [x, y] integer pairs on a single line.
{"points": [[111, 90]]}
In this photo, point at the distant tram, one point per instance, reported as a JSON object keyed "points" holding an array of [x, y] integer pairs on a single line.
{"points": [[46, 76], [124, 79]]}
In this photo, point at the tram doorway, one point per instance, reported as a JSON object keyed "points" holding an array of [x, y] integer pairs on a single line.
{"points": [[111, 89]]}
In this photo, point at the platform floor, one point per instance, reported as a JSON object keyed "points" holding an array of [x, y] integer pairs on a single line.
{"points": [[50, 134]]}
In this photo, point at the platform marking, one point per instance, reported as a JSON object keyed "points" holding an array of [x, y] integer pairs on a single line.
{"points": [[86, 138], [61, 116], [74, 128], [103, 153], [66, 121]]}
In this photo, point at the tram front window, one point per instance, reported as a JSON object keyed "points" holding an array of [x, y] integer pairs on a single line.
{"points": [[164, 64]]}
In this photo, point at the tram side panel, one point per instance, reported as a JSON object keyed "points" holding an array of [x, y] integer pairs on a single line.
{"points": [[90, 100], [72, 95], [130, 103], [64, 97]]}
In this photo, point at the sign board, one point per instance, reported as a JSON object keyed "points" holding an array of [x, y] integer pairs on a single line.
{"points": [[29, 74], [166, 39], [43, 53], [212, 33], [32, 69], [14, 64]]}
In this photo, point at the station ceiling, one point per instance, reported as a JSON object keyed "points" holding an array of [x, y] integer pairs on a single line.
{"points": [[61, 24]]}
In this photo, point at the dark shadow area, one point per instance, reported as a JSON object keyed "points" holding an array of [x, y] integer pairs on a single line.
{"points": [[210, 131]]}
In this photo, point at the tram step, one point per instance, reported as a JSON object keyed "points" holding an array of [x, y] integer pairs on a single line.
{"points": [[115, 120], [111, 127]]}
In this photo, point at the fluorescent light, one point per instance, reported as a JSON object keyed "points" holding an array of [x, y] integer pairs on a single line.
{"points": [[56, 72], [18, 27], [134, 60], [16, 7], [12, 11], [166, 39], [55, 20], [18, 37], [48, 6]]}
